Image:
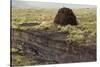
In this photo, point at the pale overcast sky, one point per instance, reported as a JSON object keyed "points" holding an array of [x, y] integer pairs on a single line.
{"points": [[29, 4]]}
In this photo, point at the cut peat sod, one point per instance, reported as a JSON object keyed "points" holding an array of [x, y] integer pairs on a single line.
{"points": [[48, 47]]}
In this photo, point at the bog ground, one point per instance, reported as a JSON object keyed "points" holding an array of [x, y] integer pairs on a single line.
{"points": [[35, 39]]}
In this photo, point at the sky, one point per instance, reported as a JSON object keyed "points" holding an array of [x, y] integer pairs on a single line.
{"points": [[37, 4]]}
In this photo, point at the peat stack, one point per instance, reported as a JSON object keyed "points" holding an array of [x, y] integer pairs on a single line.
{"points": [[65, 16]]}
